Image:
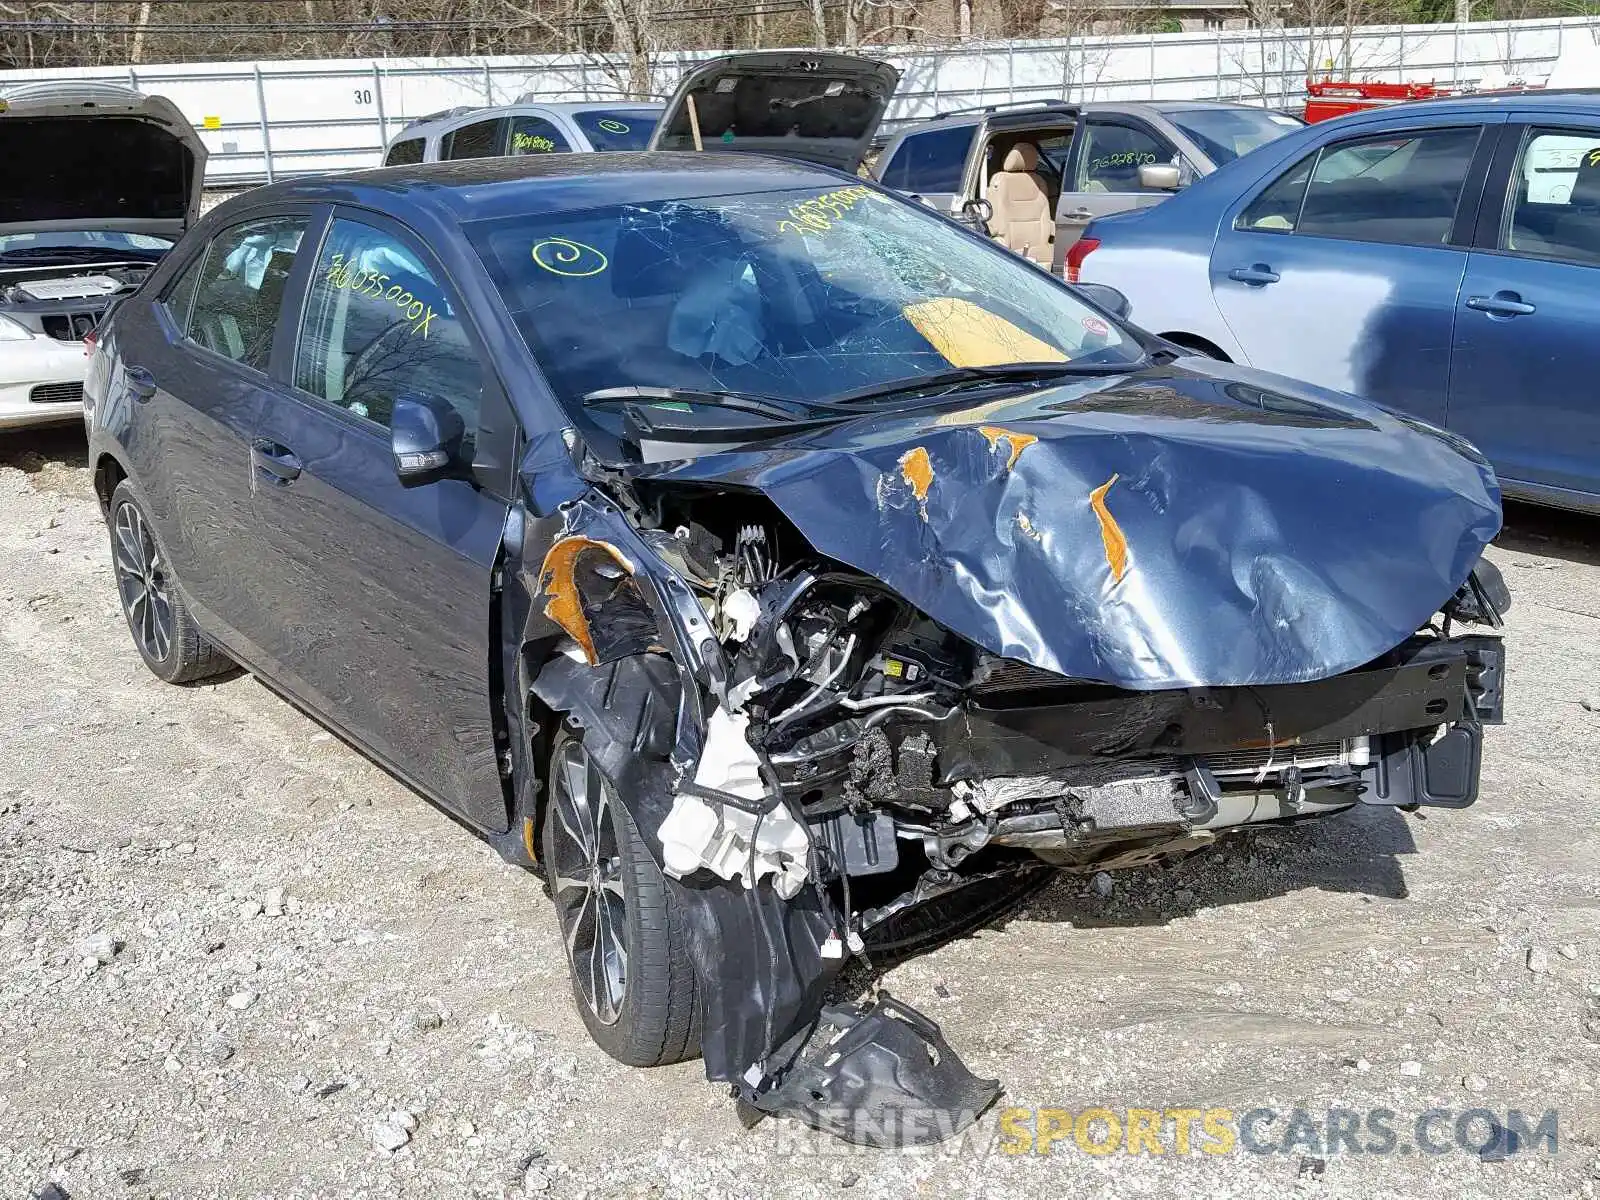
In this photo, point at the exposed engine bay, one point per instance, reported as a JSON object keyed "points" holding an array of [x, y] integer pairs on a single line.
{"points": [[864, 781], [67, 303]]}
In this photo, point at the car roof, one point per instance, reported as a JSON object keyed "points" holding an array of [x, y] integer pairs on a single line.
{"points": [[1514, 100], [486, 188], [423, 125], [959, 117]]}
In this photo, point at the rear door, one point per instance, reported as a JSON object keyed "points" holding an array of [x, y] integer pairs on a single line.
{"points": [[1344, 268], [1521, 385], [1104, 173], [382, 592], [196, 361]]}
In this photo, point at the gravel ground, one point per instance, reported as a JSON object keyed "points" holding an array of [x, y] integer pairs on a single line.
{"points": [[236, 959]]}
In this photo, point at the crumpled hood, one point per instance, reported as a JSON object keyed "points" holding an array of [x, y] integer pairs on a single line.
{"points": [[1189, 526]]}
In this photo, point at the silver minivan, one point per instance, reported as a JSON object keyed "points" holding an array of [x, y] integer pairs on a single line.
{"points": [[1082, 160], [526, 127]]}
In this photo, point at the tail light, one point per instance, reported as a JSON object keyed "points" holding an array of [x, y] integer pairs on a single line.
{"points": [[89, 339], [1079, 250]]}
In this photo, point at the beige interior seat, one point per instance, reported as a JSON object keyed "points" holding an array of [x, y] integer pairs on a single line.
{"points": [[1022, 219]]}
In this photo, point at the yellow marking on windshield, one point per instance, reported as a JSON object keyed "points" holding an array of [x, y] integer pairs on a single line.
{"points": [[563, 256], [970, 336], [819, 214], [1016, 443], [1116, 543]]}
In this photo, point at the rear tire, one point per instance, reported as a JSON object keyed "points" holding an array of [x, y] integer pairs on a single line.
{"points": [[164, 632], [626, 946]]}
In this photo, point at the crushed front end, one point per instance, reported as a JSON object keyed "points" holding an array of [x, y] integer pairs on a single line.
{"points": [[824, 770]]}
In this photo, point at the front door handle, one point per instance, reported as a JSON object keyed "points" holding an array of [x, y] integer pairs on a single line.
{"points": [[276, 463], [1256, 274], [141, 384], [1502, 304], [1081, 214]]}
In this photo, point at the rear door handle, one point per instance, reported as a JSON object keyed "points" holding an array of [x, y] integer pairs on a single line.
{"points": [[1081, 214], [1502, 304], [1258, 274], [141, 384], [277, 463]]}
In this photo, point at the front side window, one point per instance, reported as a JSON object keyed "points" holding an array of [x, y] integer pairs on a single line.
{"points": [[1111, 156], [535, 135], [404, 153], [930, 164], [619, 129], [377, 325], [1399, 188], [482, 139], [799, 295], [1553, 209], [239, 296]]}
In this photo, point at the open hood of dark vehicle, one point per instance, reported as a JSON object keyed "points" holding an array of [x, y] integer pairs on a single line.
{"points": [[1183, 527], [823, 108], [94, 155]]}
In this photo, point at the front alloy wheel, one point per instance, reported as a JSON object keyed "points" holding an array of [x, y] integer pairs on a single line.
{"points": [[626, 947], [586, 881]]}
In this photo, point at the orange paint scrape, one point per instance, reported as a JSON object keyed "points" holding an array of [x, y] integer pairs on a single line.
{"points": [[557, 581], [917, 470], [1016, 443], [1110, 532]]}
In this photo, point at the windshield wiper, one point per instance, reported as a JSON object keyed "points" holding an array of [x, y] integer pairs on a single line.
{"points": [[745, 402], [1024, 372]]}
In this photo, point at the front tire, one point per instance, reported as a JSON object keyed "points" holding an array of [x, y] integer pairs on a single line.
{"points": [[626, 948], [164, 632]]}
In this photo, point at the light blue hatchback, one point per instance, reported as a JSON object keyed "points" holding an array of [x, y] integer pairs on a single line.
{"points": [[1441, 258]]}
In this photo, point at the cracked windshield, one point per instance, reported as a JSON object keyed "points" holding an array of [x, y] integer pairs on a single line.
{"points": [[792, 295]]}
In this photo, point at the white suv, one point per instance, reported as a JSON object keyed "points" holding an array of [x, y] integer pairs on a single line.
{"points": [[524, 128]]}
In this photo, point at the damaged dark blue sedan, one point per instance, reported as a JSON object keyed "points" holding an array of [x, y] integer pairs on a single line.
{"points": [[786, 572]]}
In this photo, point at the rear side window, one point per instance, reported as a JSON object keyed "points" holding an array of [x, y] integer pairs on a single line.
{"points": [[1399, 188], [239, 293], [1553, 209], [483, 139], [379, 324], [535, 135], [929, 163], [402, 153]]}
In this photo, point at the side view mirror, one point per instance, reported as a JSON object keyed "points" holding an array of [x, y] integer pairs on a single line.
{"points": [[1160, 177], [1107, 297], [978, 213], [425, 435]]}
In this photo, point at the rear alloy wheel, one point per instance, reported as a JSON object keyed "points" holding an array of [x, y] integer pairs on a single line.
{"points": [[164, 633], [631, 974]]}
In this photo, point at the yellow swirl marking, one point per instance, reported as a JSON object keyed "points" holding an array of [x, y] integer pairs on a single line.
{"points": [[611, 126], [562, 256]]}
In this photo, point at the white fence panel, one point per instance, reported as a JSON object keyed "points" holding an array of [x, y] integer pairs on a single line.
{"points": [[270, 119]]}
